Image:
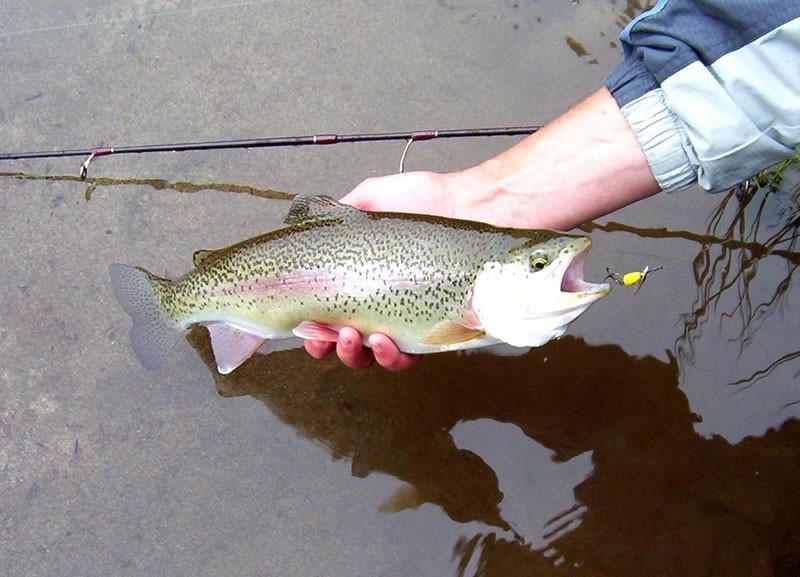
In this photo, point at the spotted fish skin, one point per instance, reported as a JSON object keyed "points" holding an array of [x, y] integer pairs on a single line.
{"points": [[412, 277]]}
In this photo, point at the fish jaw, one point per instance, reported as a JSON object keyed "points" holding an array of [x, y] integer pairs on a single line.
{"points": [[527, 308], [583, 293]]}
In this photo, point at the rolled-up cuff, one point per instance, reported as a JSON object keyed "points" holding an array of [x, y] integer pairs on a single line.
{"points": [[666, 146]]}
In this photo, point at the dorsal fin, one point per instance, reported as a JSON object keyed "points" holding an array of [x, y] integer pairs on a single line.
{"points": [[315, 208], [200, 256]]}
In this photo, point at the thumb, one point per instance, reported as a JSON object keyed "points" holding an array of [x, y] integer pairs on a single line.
{"points": [[365, 195], [403, 192]]}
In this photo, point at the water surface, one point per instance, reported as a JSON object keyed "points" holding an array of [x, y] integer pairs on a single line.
{"points": [[659, 438]]}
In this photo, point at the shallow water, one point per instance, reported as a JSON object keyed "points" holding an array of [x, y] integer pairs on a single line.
{"points": [[659, 438]]}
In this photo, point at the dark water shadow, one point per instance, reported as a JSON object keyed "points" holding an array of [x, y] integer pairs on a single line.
{"points": [[661, 500]]}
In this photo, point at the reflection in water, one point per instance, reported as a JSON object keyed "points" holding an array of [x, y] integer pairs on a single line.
{"points": [[661, 499], [154, 183], [759, 223], [753, 227]]}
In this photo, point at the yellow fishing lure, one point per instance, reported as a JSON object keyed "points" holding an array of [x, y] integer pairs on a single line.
{"points": [[636, 277]]}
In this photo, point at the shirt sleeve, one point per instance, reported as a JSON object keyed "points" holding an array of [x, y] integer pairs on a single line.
{"points": [[711, 88]]}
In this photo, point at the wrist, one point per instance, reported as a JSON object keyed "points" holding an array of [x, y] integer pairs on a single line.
{"points": [[473, 193]]}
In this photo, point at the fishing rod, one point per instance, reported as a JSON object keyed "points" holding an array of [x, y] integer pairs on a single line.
{"points": [[311, 140]]}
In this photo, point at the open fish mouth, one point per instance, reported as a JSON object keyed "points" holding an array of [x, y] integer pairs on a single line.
{"points": [[572, 281]]}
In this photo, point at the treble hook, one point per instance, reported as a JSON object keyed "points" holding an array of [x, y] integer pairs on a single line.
{"points": [[636, 277]]}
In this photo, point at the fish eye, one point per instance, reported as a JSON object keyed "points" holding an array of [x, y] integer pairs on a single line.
{"points": [[538, 262]]}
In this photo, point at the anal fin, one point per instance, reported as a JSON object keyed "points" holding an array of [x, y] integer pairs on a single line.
{"points": [[232, 346]]}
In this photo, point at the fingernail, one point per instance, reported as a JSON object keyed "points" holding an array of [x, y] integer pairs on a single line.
{"points": [[346, 343]]}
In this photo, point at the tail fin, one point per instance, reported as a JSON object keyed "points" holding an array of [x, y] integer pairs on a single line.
{"points": [[154, 332]]}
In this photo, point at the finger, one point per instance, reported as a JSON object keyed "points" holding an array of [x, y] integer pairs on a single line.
{"points": [[364, 195], [389, 356], [350, 350], [319, 349]]}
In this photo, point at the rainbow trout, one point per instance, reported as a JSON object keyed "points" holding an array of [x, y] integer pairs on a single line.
{"points": [[431, 284]]}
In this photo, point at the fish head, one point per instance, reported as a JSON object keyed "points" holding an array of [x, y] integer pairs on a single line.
{"points": [[531, 293]]}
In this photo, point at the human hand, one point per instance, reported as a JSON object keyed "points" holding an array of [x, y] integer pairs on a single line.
{"points": [[352, 354], [419, 192]]}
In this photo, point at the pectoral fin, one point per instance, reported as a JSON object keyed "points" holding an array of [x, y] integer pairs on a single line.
{"points": [[406, 497], [232, 346], [316, 331], [450, 333]]}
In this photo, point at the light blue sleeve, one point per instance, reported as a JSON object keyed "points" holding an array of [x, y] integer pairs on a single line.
{"points": [[712, 88]]}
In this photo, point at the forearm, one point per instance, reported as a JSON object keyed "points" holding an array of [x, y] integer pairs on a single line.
{"points": [[584, 164]]}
